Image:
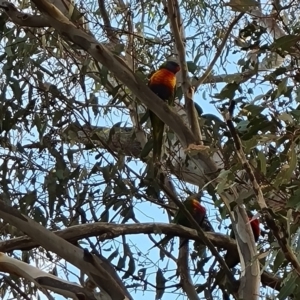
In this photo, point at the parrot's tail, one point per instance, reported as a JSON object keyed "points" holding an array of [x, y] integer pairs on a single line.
{"points": [[158, 127]]}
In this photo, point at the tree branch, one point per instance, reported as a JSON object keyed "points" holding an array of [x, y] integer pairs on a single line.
{"points": [[219, 51], [41, 279], [107, 25], [88, 263], [250, 275], [188, 91], [110, 231], [183, 272], [23, 19], [122, 138]]}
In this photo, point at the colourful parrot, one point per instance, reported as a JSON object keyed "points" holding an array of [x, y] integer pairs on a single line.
{"points": [[163, 84], [232, 259], [197, 211]]}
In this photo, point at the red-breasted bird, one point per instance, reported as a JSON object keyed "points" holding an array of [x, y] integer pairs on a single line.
{"points": [[163, 84], [232, 259], [197, 211]]}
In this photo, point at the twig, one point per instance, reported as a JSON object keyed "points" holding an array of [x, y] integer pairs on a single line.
{"points": [[203, 78], [15, 287]]}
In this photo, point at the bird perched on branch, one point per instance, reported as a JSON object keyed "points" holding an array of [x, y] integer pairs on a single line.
{"points": [[232, 259], [194, 207], [163, 84], [197, 211]]}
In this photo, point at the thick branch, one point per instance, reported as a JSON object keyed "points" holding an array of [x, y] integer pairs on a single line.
{"points": [[110, 231], [23, 19], [184, 273], [176, 23], [250, 277], [42, 279]]}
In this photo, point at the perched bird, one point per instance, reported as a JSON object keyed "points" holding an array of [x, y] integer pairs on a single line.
{"points": [[197, 211], [206, 225], [163, 84], [232, 259]]}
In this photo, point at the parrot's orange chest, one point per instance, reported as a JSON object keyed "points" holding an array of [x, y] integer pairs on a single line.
{"points": [[163, 77]]}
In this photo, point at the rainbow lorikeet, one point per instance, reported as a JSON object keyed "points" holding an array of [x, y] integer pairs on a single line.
{"points": [[232, 259], [195, 209], [199, 214], [163, 84]]}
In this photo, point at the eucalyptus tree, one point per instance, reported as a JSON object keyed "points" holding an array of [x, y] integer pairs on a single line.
{"points": [[80, 207]]}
